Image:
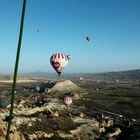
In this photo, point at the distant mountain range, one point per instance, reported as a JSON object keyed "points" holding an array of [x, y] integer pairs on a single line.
{"points": [[130, 74], [120, 75]]}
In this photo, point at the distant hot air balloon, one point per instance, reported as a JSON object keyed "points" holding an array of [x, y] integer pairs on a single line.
{"points": [[37, 30], [68, 101], [59, 61], [88, 38], [81, 78]]}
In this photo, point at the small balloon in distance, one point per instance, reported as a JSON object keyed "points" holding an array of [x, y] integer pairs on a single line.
{"points": [[67, 101], [88, 38]]}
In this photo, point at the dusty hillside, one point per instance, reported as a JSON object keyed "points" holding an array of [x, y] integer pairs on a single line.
{"points": [[65, 86], [44, 115]]}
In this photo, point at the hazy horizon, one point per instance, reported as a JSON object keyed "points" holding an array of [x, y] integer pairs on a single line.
{"points": [[65, 73]]}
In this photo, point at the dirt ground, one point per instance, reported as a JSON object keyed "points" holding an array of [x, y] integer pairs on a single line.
{"points": [[98, 98]]}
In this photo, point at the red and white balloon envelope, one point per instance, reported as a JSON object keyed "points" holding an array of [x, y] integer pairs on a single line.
{"points": [[67, 101], [59, 61]]}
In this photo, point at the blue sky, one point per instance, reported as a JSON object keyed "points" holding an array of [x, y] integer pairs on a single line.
{"points": [[113, 26]]}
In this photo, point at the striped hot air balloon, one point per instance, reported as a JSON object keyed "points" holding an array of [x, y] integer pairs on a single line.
{"points": [[59, 61], [68, 101]]}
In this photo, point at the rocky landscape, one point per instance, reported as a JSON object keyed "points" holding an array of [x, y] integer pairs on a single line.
{"points": [[101, 109]]}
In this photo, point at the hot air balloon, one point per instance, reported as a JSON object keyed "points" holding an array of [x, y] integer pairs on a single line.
{"points": [[81, 78], [88, 38], [68, 101], [59, 61]]}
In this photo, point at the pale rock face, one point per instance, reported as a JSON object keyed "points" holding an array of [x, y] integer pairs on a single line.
{"points": [[21, 104], [84, 132], [117, 132], [81, 115], [14, 135], [48, 135], [56, 114], [64, 86], [32, 137], [8, 106], [77, 96]]}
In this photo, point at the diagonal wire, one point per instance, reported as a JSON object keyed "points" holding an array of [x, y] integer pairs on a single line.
{"points": [[15, 70]]}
